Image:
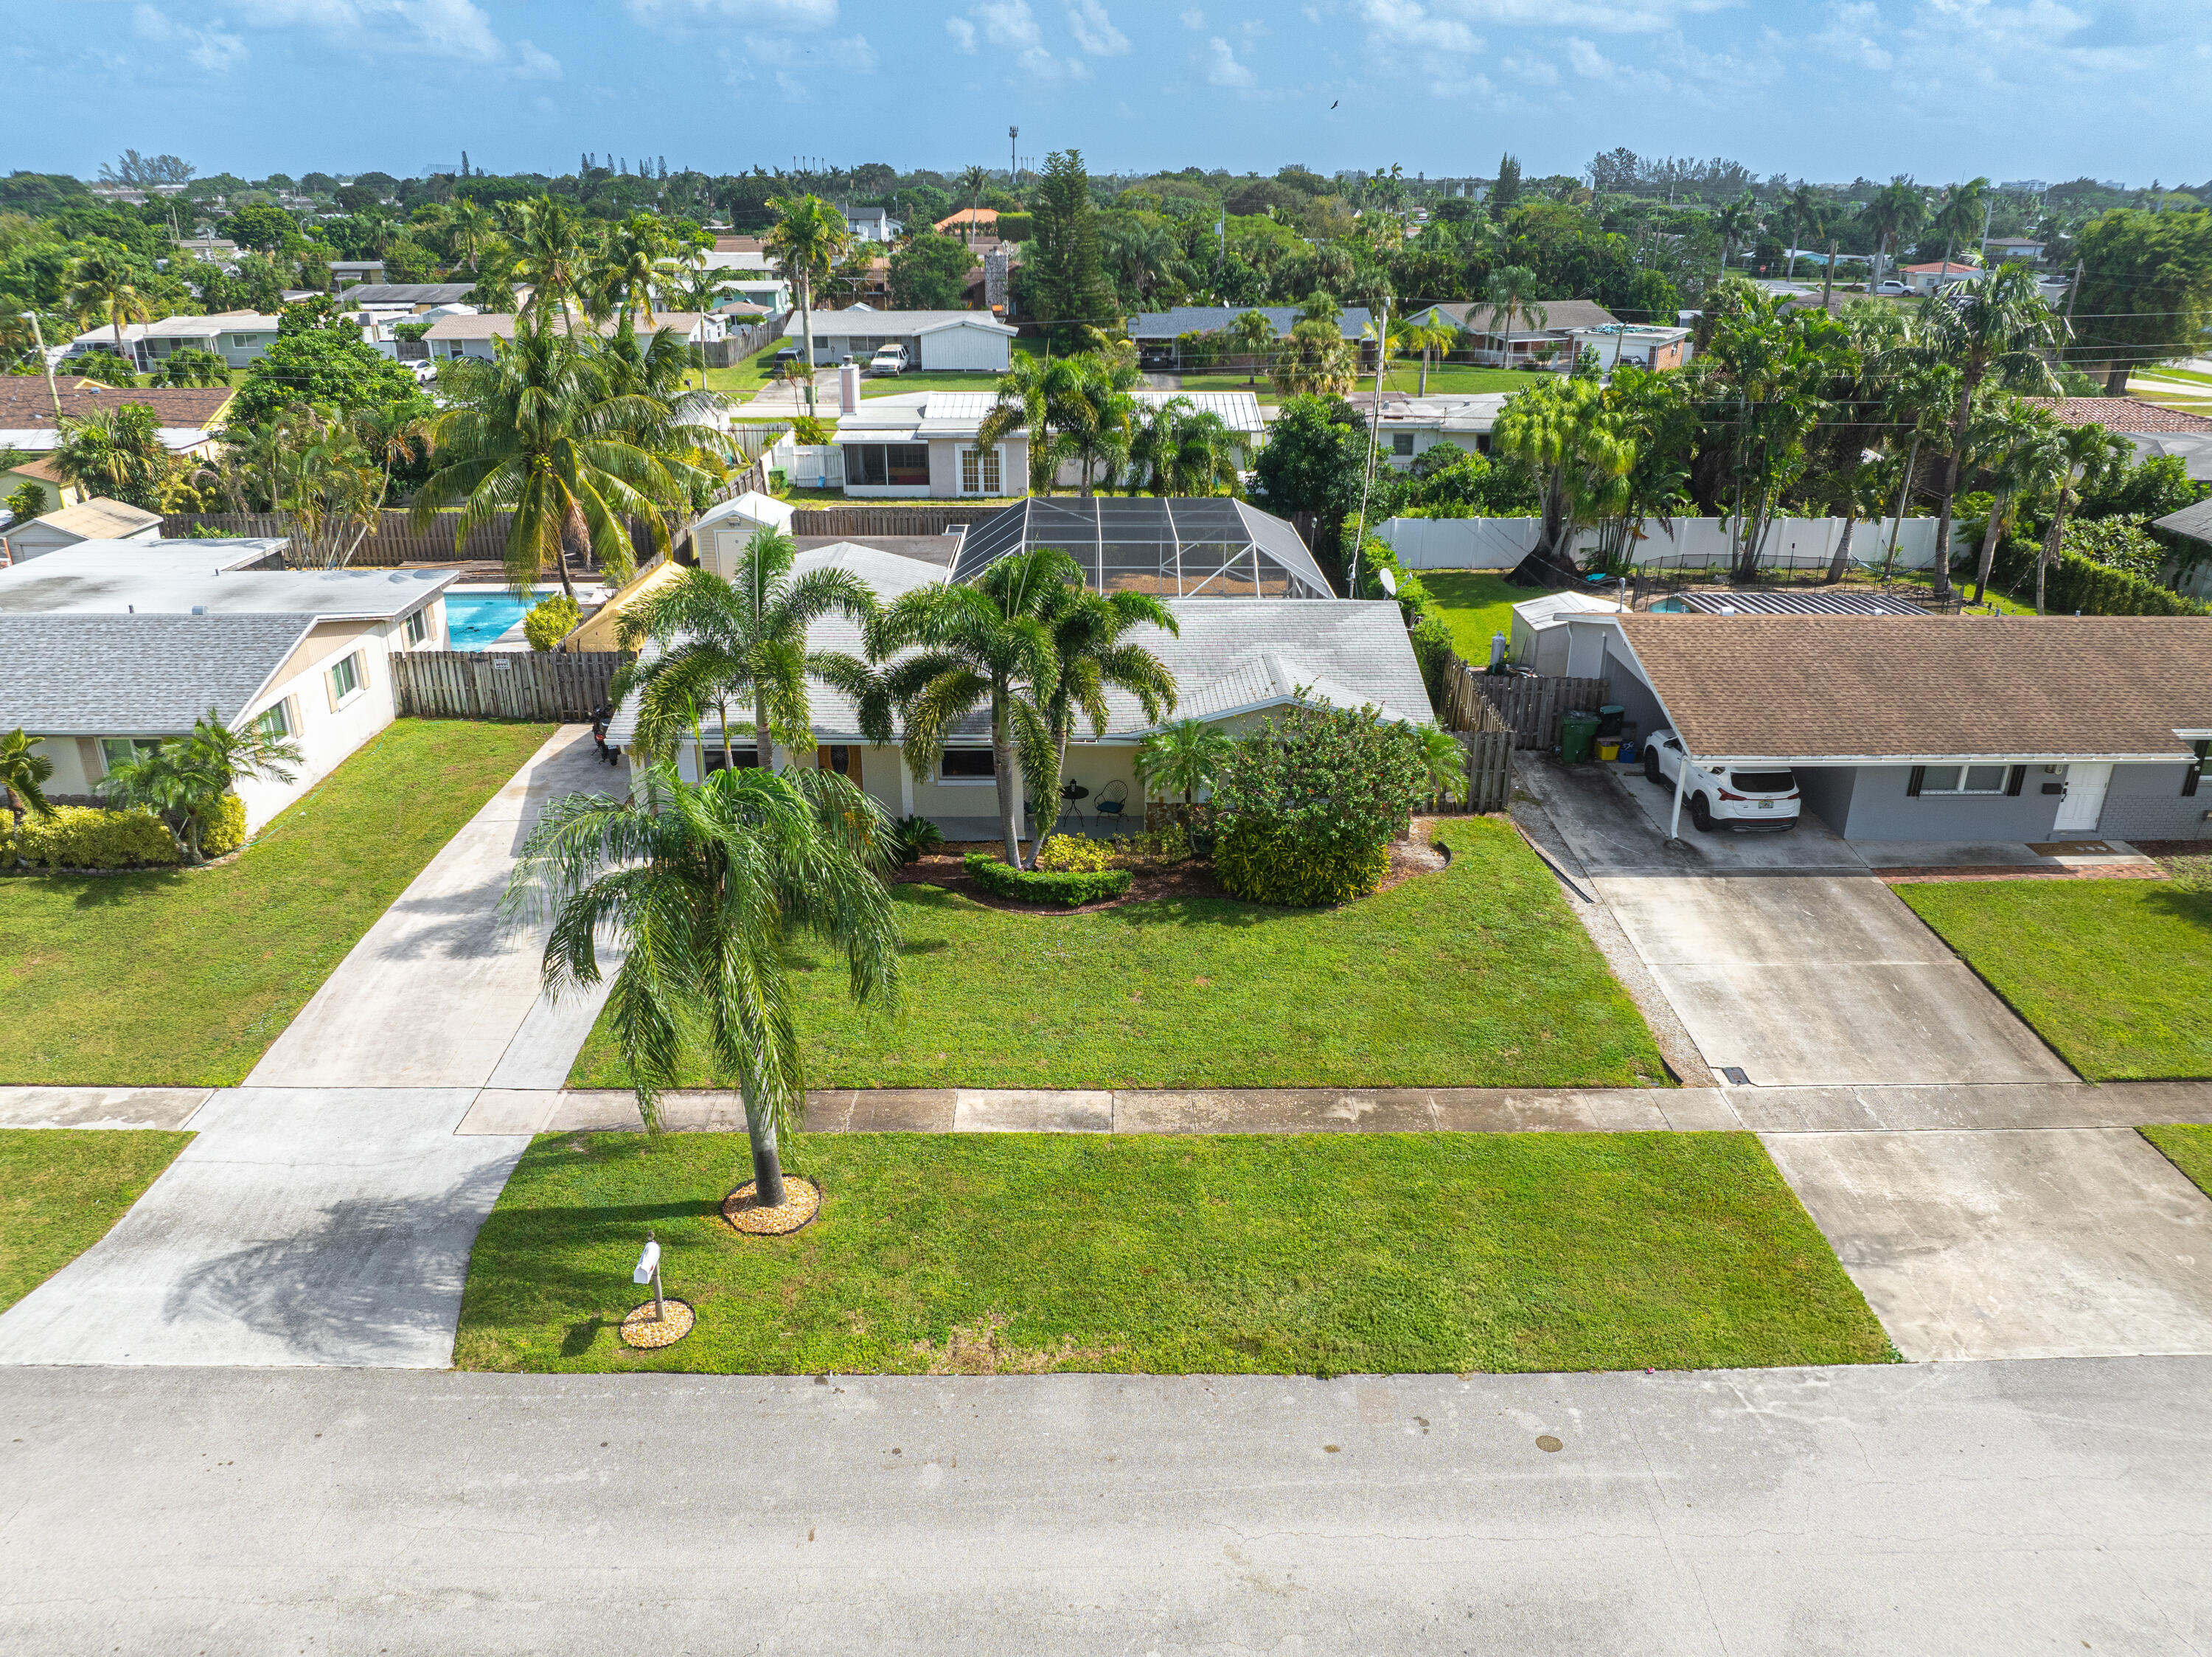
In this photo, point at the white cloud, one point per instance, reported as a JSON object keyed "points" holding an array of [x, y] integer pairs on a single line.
{"points": [[1531, 72], [1851, 36], [1010, 24], [1194, 19], [1633, 17], [682, 16], [1589, 62], [1094, 30], [451, 32], [211, 48], [1222, 67], [532, 64], [962, 32], [1407, 25]]}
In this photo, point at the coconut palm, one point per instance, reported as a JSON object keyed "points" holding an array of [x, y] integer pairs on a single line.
{"points": [[1897, 211], [635, 259], [184, 781], [470, 229], [24, 772], [2016, 445], [705, 888], [972, 180], [743, 639], [1090, 639], [1427, 339], [1252, 332], [553, 253], [1961, 216], [980, 645], [1183, 757], [2082, 455], [1804, 208], [1737, 223], [101, 284], [1510, 292], [536, 432], [810, 237]]}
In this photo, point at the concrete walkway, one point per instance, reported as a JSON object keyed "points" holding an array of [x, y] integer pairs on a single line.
{"points": [[1967, 1509], [325, 1211]]}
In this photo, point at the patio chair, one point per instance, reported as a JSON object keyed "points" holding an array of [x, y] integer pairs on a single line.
{"points": [[1112, 803]]}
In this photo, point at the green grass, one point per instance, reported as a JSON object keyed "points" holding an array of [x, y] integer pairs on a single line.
{"points": [[1476, 604], [1353, 1253], [1479, 975], [185, 979], [2188, 1146], [2112, 973], [60, 1190]]}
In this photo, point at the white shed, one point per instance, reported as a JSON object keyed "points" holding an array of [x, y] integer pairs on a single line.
{"points": [[1540, 631], [941, 342], [718, 538]]}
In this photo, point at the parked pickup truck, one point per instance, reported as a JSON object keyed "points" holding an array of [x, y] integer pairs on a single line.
{"points": [[891, 359]]}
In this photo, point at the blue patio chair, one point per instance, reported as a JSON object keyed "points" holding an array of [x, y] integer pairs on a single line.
{"points": [[1112, 803]]}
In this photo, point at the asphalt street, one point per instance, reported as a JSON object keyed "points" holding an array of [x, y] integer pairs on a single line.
{"points": [[2059, 1506]]}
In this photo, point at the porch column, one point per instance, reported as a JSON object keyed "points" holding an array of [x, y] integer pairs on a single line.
{"points": [[1681, 782]]}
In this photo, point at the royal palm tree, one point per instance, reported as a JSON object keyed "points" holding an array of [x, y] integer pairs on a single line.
{"points": [[1996, 332], [101, 284], [553, 253], [1510, 292], [705, 888], [536, 432], [810, 237], [981, 644], [743, 639], [1182, 758], [1090, 639], [2082, 455], [24, 773]]}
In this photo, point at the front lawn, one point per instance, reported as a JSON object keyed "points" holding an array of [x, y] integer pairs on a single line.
{"points": [[2188, 1146], [62, 1188], [184, 978], [2112, 973], [1479, 975], [1476, 604], [1294, 1254]]}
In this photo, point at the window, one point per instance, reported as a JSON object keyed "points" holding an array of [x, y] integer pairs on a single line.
{"points": [[276, 723], [895, 465], [122, 750], [346, 679], [418, 626], [744, 755], [979, 471], [2200, 770], [1401, 442], [1960, 779], [968, 766]]}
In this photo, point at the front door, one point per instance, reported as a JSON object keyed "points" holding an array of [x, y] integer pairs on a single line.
{"points": [[2085, 798]]}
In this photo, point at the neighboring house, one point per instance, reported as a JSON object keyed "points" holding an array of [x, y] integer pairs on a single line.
{"points": [[1412, 426], [106, 648], [2153, 430], [2000, 247], [936, 341], [926, 443], [872, 224], [971, 221], [1635, 343], [1928, 278], [1934, 728], [46, 475], [1282, 639], [237, 337], [96, 520], [355, 273], [753, 280], [1483, 334], [187, 417], [472, 335], [212, 250], [101, 342], [1160, 334], [411, 297]]}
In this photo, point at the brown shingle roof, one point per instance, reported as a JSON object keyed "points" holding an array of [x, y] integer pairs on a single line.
{"points": [[1932, 687], [25, 406], [2120, 413], [1560, 314]]}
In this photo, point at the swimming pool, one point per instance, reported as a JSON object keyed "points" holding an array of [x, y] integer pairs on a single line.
{"points": [[475, 620]]}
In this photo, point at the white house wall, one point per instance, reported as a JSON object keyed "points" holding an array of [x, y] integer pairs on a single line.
{"points": [[958, 350], [1502, 543]]}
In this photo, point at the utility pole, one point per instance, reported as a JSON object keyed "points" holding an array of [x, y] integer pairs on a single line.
{"points": [[1374, 443], [2073, 292], [1013, 157]]}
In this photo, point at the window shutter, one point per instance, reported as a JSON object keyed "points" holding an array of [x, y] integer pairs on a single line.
{"points": [[1912, 782], [331, 686], [361, 670], [2018, 777]]}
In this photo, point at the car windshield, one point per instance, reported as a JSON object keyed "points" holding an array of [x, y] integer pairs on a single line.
{"points": [[1763, 781]]}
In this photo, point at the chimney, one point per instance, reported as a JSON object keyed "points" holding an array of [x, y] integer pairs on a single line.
{"points": [[848, 388]]}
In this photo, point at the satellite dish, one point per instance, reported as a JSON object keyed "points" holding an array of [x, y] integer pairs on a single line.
{"points": [[1389, 581]]}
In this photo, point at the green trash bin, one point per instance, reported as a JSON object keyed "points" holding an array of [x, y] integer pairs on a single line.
{"points": [[1577, 732]]}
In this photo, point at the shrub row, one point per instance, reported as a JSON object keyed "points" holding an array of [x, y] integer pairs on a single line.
{"points": [[2076, 583], [1273, 867], [87, 836], [1023, 885]]}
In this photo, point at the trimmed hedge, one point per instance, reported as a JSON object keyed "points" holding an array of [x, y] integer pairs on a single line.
{"points": [[228, 832], [1027, 887], [1264, 867], [87, 837], [2076, 583]]}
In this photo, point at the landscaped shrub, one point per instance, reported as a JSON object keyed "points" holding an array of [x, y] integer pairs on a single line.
{"points": [[2076, 583], [1075, 854], [1265, 867], [1023, 885], [551, 621], [86, 837], [915, 837], [227, 833]]}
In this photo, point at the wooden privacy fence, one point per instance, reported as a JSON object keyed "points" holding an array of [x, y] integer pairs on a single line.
{"points": [[1532, 706], [885, 519], [503, 683], [394, 540], [1489, 770]]}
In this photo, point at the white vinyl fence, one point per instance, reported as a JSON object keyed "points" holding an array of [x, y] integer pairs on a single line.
{"points": [[1501, 543]]}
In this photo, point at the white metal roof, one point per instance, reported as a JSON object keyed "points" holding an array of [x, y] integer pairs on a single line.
{"points": [[173, 578]]}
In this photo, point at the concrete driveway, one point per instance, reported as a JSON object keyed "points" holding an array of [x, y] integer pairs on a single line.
{"points": [[1785, 959]]}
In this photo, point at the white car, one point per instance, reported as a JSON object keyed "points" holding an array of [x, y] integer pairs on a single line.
{"points": [[891, 359], [1744, 800]]}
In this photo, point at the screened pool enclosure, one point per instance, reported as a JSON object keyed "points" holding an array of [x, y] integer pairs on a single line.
{"points": [[1203, 548]]}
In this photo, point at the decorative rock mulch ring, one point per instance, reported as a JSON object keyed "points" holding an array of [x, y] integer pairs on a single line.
{"points": [[802, 1201], [647, 1333]]}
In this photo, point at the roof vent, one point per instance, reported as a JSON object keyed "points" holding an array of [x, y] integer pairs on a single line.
{"points": [[199, 609]]}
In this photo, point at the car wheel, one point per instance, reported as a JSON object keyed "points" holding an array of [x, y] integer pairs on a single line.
{"points": [[1701, 813], [1651, 765]]}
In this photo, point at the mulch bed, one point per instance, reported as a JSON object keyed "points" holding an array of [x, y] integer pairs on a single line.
{"points": [[802, 1201]]}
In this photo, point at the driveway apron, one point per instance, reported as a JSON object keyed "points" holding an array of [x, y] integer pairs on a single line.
{"points": [[325, 1211]]}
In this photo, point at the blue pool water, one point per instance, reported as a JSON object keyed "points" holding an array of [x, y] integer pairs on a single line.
{"points": [[475, 620]]}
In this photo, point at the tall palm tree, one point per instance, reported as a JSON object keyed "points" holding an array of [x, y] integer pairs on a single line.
{"points": [[1425, 338], [635, 259], [553, 251], [2016, 445], [1510, 292], [1897, 211], [101, 284], [1961, 216], [972, 180], [983, 644], [809, 238], [743, 638], [1252, 332], [1737, 223], [1804, 208], [471, 230], [2082, 455], [24, 773], [705, 888], [1183, 757], [536, 432], [1090, 639], [1996, 332]]}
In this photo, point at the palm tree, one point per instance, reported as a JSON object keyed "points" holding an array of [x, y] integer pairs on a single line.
{"points": [[1804, 209], [808, 239], [101, 283], [987, 644], [184, 779], [1997, 331], [972, 180], [537, 433], [2083, 455], [1897, 211], [743, 638], [1183, 757], [1425, 338], [24, 772], [1581, 452], [1961, 217], [469, 229], [1737, 223], [705, 888], [1175, 450], [1032, 395], [1510, 293], [117, 453], [2017, 446], [1444, 762], [1090, 637], [1092, 415], [552, 251], [633, 259], [1252, 332]]}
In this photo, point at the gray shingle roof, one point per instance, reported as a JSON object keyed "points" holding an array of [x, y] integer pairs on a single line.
{"points": [[1210, 319], [135, 675], [106, 578]]}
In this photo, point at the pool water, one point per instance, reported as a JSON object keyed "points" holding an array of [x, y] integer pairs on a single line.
{"points": [[475, 620]]}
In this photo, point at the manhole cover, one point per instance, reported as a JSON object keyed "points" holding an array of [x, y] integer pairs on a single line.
{"points": [[1736, 1076], [1548, 1443]]}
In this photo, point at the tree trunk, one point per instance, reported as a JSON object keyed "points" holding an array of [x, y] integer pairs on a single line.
{"points": [[767, 1165], [2054, 542], [764, 742], [1842, 561], [1989, 549], [1953, 463], [1828, 276], [1002, 763], [806, 335], [1904, 497], [573, 532]]}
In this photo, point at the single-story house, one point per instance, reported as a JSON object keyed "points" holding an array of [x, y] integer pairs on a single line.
{"points": [[237, 337], [1637, 344], [1935, 727], [973, 221], [1261, 646], [355, 273], [926, 443], [753, 280], [1158, 334], [1530, 343], [937, 342], [1928, 277], [187, 417], [96, 520], [104, 649], [2011, 247], [414, 297], [872, 224], [472, 335], [1412, 426], [95, 343], [2153, 430]]}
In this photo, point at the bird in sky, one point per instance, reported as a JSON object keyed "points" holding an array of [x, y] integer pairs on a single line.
{"points": [[1334, 102]]}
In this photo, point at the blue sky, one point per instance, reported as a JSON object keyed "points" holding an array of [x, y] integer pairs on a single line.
{"points": [[1824, 88]]}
